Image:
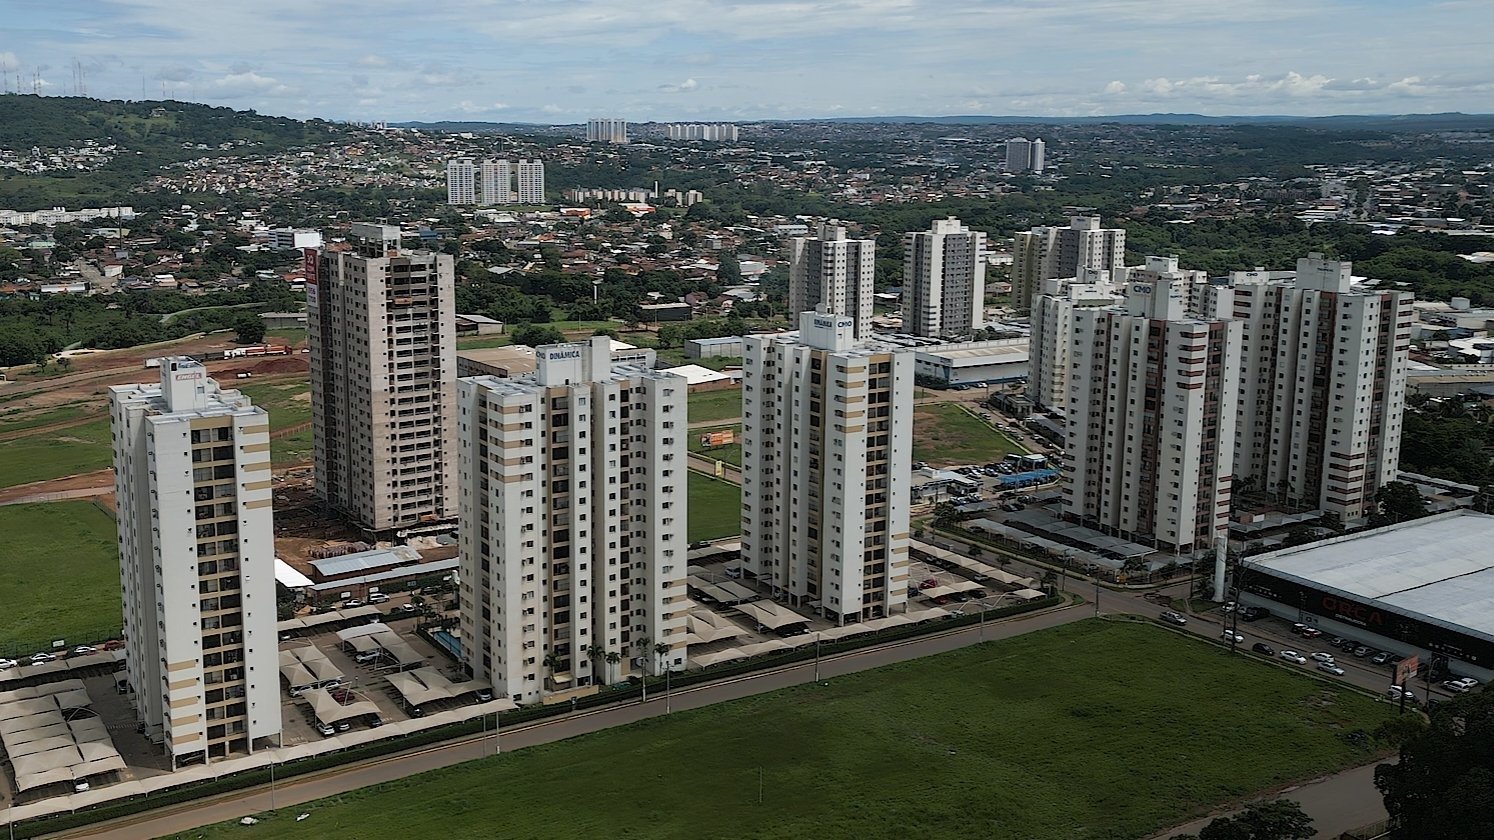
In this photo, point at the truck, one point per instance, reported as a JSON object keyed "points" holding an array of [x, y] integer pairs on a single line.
{"points": [[256, 350]]}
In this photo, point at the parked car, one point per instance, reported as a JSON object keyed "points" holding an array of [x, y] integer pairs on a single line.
{"points": [[324, 729], [1254, 613], [378, 598], [1293, 656], [1460, 685], [1322, 657], [85, 650], [416, 711], [1229, 607], [701, 544], [374, 721], [1262, 647], [1335, 641], [408, 608], [734, 572], [1330, 668], [1172, 617], [7, 664], [343, 726], [38, 658], [1381, 658], [113, 644], [484, 695], [1231, 637], [928, 583], [1363, 651], [1397, 693]]}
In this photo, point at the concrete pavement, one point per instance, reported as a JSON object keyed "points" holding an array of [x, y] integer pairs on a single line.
{"points": [[1338, 803]]}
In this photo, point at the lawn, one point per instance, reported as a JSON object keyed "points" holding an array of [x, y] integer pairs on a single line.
{"points": [[731, 453], [46, 455], [946, 435], [715, 508], [289, 404], [715, 405], [1101, 730], [59, 576], [19, 420]]}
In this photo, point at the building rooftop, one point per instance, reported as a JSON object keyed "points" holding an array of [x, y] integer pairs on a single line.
{"points": [[1439, 567], [378, 558]]}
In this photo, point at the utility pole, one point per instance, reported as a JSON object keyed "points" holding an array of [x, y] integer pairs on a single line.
{"points": [[1097, 596], [816, 657]]}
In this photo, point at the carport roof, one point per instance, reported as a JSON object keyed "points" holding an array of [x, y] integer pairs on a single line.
{"points": [[328, 710], [771, 615]]}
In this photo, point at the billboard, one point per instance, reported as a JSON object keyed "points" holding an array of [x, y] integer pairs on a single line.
{"points": [[713, 439], [1405, 670], [308, 264]]}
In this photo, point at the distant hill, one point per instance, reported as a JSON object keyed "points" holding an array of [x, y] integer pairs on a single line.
{"points": [[150, 133]]}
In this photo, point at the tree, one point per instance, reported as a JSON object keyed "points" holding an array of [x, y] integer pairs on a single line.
{"points": [[728, 269], [249, 328], [1278, 820], [65, 363], [1443, 785], [1398, 502], [535, 335], [551, 662]]}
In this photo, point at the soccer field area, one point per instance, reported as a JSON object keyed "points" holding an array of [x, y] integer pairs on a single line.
{"points": [[1098, 729]]}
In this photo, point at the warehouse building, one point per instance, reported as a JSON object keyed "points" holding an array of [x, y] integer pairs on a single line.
{"points": [[1423, 588]]}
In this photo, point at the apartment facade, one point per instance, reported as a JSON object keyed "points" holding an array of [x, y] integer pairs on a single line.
{"points": [[826, 459], [531, 179], [944, 280], [1045, 253], [1052, 336], [461, 181], [574, 506], [1151, 420], [197, 563], [710, 132], [381, 326], [607, 130], [1324, 384], [833, 271], [497, 182], [1023, 155]]}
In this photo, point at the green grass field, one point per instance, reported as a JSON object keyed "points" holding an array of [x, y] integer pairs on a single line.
{"points": [[715, 405], [946, 435], [46, 455], [289, 404], [731, 453], [1100, 730], [59, 576], [715, 508], [19, 420]]}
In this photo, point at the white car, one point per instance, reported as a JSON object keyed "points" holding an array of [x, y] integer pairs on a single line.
{"points": [[38, 658], [1330, 668], [1232, 637], [378, 598], [1461, 685], [1322, 657], [84, 650], [7, 664], [1293, 656], [1397, 694]]}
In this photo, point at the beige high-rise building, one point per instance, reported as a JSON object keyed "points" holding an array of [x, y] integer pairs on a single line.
{"points": [[381, 326], [835, 272], [196, 563], [1046, 253], [574, 510], [1052, 338], [827, 450], [944, 280]]}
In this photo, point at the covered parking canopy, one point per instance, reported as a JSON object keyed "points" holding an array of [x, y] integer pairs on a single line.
{"points": [[770, 615], [705, 626], [331, 617], [329, 711], [722, 593], [423, 685], [396, 649]]}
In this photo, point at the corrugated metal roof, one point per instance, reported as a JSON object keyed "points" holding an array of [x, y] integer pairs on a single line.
{"points": [[378, 558]]}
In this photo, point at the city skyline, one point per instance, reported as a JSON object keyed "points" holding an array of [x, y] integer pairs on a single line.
{"points": [[696, 60]]}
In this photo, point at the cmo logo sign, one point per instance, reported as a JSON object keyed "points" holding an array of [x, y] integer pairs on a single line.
{"points": [[1357, 613], [1142, 288]]}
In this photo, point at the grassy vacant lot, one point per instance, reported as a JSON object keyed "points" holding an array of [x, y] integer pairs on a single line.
{"points": [[715, 508], [59, 576], [1101, 730], [289, 404], [946, 435], [715, 405], [731, 454], [45, 455]]}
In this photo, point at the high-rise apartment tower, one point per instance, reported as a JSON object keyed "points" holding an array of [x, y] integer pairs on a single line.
{"points": [[944, 280], [832, 271]]}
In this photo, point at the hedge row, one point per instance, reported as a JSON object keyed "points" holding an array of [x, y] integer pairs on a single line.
{"points": [[621, 693]]}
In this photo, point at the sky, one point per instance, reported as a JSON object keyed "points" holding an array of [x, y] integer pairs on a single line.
{"points": [[562, 61]]}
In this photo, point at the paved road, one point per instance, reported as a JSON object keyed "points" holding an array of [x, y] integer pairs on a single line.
{"points": [[1338, 803], [344, 779]]}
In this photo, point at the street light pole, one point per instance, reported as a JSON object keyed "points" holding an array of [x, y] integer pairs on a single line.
{"points": [[667, 672], [1097, 596], [272, 787], [816, 657], [497, 735]]}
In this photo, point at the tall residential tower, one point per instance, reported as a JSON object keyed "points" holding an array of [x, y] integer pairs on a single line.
{"points": [[1046, 253], [944, 280], [381, 325], [196, 562], [832, 271]]}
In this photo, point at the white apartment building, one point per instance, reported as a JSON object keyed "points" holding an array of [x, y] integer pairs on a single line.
{"points": [[1044, 253], [607, 130], [710, 132], [1151, 421], [196, 562], [531, 177], [461, 181], [1323, 384], [287, 239], [944, 280], [381, 325], [497, 182], [1052, 336], [832, 271], [573, 514], [827, 449], [1023, 155]]}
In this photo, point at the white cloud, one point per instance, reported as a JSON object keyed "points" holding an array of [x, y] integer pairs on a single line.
{"points": [[683, 87], [1115, 87], [247, 83]]}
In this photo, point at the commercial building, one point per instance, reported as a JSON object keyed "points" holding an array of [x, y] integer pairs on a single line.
{"points": [[833, 272], [383, 370], [707, 348], [607, 130], [531, 177], [827, 450], [573, 515], [1151, 420], [974, 362], [286, 239], [1323, 384], [1023, 155], [944, 280], [1420, 588], [1044, 253], [196, 562], [1052, 321], [461, 181], [497, 182]]}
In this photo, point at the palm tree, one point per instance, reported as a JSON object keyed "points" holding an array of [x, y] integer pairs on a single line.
{"points": [[662, 649], [551, 662], [595, 653], [613, 657], [643, 644]]}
